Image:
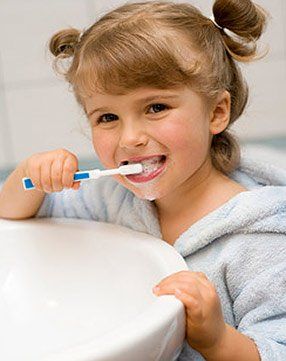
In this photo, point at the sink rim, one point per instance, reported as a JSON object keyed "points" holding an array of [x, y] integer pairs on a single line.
{"points": [[165, 307], [129, 333]]}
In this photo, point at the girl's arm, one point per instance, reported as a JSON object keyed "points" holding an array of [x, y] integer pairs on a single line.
{"points": [[234, 347], [256, 279], [15, 202], [49, 171]]}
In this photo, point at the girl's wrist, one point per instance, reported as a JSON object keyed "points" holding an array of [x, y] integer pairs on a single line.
{"points": [[209, 353], [21, 168], [21, 171], [233, 346]]}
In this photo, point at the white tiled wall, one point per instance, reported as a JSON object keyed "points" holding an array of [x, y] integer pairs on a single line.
{"points": [[26, 27], [49, 124], [38, 113]]}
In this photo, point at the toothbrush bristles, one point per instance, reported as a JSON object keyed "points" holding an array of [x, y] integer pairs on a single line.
{"points": [[131, 169]]}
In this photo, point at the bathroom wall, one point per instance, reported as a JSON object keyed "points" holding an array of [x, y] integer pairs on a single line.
{"points": [[37, 110]]}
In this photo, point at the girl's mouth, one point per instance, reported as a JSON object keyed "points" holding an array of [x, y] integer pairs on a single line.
{"points": [[152, 167]]}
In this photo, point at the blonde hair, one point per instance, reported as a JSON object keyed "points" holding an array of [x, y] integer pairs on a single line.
{"points": [[163, 44]]}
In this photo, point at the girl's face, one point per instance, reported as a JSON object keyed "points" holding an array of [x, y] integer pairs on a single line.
{"points": [[169, 134]]}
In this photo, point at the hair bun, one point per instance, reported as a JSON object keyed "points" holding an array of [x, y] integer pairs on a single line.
{"points": [[63, 43], [242, 17], [245, 19]]}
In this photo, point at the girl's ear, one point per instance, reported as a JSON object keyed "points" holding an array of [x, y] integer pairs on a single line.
{"points": [[220, 113]]}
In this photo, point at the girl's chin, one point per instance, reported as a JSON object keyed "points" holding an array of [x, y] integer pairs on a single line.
{"points": [[147, 196], [149, 193], [147, 190]]}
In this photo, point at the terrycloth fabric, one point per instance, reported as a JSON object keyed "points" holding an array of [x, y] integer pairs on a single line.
{"points": [[240, 246]]}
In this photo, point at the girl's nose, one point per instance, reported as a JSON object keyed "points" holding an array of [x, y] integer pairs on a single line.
{"points": [[132, 136]]}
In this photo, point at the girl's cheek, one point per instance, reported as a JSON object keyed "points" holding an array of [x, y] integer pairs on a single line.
{"points": [[104, 147], [173, 135]]}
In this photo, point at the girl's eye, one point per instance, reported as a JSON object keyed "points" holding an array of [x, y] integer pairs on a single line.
{"points": [[158, 107], [110, 118]]}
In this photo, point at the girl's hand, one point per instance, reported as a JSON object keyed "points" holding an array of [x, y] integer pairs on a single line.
{"points": [[205, 324], [52, 171]]}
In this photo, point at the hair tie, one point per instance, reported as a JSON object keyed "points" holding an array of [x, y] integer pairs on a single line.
{"points": [[215, 23], [80, 35]]}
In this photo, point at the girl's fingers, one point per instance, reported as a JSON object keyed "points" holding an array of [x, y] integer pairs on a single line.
{"points": [[56, 175], [52, 171], [69, 168], [188, 288], [34, 172], [76, 186], [186, 277], [193, 306], [45, 177]]}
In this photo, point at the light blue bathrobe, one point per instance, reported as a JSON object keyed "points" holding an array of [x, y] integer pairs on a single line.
{"points": [[241, 246]]}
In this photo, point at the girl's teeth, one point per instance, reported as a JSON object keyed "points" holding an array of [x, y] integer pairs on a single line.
{"points": [[152, 164]]}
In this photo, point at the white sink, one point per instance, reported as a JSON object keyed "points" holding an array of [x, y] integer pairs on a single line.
{"points": [[77, 290]]}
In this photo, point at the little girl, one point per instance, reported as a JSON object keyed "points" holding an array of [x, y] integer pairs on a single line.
{"points": [[160, 85]]}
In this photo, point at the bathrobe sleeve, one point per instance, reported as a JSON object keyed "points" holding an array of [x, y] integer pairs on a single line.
{"points": [[98, 200], [256, 281]]}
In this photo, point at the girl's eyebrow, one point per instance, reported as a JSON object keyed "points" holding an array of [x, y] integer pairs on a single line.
{"points": [[142, 100]]}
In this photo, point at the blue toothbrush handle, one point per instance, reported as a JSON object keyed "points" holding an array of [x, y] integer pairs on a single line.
{"points": [[81, 175], [27, 183], [78, 176]]}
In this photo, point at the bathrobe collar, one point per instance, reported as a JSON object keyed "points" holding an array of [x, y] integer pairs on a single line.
{"points": [[260, 209]]}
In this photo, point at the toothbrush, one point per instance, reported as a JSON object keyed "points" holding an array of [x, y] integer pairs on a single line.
{"points": [[94, 174]]}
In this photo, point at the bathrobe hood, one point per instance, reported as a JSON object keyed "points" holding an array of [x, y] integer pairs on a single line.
{"points": [[260, 209]]}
